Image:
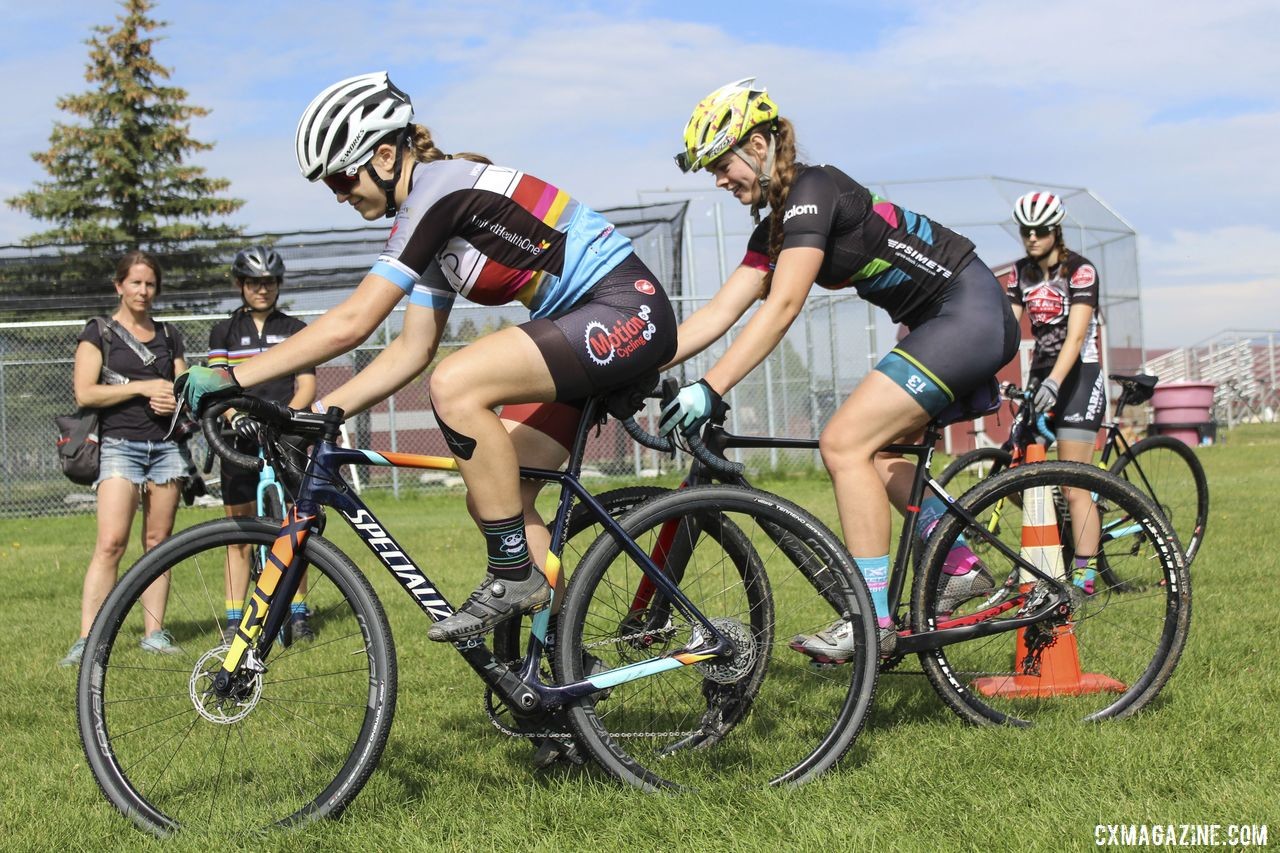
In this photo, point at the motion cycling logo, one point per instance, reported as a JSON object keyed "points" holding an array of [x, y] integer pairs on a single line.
{"points": [[605, 344]]}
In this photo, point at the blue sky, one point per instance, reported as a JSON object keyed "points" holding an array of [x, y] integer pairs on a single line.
{"points": [[1169, 111]]}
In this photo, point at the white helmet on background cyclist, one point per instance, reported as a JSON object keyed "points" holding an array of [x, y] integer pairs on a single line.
{"points": [[343, 125], [1038, 209]]}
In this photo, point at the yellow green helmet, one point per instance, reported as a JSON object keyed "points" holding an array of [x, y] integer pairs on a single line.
{"points": [[721, 120]]}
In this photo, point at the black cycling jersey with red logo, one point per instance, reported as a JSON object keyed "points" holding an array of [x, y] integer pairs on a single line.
{"points": [[896, 259], [1047, 301]]}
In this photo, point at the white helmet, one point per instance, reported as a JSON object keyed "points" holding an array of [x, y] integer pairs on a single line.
{"points": [[344, 124], [1038, 209]]}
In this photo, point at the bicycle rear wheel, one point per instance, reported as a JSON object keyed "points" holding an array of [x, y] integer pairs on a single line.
{"points": [[297, 743], [1169, 472], [1123, 645], [762, 715]]}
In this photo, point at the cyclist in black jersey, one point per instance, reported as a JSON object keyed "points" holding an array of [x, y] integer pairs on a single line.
{"points": [[1058, 289], [493, 235], [258, 274], [823, 227]]}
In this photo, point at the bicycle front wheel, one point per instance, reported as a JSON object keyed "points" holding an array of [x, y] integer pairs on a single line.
{"points": [[1107, 656], [761, 570], [1169, 472], [295, 742]]}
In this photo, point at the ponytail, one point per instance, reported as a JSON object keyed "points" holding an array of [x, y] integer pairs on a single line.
{"points": [[425, 151]]}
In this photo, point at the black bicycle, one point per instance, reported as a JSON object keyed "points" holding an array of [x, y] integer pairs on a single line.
{"points": [[1033, 646], [693, 685], [1160, 466]]}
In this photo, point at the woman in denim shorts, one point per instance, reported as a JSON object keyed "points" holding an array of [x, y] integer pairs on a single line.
{"points": [[138, 464]]}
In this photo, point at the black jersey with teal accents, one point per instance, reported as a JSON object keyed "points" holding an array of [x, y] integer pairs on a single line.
{"points": [[896, 259]]}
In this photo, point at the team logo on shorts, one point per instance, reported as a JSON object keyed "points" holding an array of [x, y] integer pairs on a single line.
{"points": [[605, 344], [645, 287]]}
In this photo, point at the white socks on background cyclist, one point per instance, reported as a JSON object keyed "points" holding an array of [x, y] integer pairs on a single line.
{"points": [[960, 559]]}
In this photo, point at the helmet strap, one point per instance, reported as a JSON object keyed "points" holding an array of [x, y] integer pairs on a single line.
{"points": [[388, 185], [763, 175]]}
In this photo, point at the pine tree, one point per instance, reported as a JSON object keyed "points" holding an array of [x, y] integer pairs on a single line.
{"points": [[121, 177]]}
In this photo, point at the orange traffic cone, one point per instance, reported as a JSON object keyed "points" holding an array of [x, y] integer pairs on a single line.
{"points": [[1059, 666]]}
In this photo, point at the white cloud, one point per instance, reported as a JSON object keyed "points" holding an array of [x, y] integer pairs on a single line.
{"points": [[1196, 284]]}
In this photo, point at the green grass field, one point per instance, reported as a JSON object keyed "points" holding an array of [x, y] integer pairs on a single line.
{"points": [[917, 779]]}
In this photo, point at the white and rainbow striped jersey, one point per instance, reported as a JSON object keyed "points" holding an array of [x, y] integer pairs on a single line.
{"points": [[495, 234]]}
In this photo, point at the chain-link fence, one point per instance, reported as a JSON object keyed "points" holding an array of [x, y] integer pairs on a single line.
{"points": [[792, 393], [831, 345]]}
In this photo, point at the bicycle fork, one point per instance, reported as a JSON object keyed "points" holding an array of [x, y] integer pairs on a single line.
{"points": [[281, 571]]}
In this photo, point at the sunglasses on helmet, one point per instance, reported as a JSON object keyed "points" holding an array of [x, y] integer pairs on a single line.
{"points": [[1035, 230], [682, 160]]}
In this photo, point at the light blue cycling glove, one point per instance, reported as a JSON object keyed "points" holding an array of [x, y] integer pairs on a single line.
{"points": [[690, 409], [201, 383]]}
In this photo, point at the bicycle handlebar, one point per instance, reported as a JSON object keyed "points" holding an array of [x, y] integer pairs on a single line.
{"points": [[699, 449], [264, 411], [715, 462]]}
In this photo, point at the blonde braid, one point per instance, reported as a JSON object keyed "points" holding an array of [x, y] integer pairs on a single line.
{"points": [[784, 173], [425, 151]]}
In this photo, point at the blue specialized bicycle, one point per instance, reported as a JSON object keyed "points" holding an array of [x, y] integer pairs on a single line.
{"points": [[691, 685]]}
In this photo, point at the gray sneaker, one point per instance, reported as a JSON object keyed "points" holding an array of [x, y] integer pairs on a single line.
{"points": [[835, 643], [229, 632], [73, 655], [954, 590], [494, 602], [160, 643]]}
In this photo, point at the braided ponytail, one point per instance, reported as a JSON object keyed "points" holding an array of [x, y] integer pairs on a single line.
{"points": [[784, 173], [425, 151]]}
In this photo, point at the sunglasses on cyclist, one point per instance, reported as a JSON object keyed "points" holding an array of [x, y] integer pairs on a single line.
{"points": [[1028, 230], [342, 183], [267, 283]]}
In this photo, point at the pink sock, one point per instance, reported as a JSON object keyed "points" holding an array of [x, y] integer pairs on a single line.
{"points": [[884, 622], [960, 561]]}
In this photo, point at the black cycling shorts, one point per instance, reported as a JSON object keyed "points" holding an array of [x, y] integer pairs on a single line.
{"points": [[959, 344], [622, 330], [1081, 405]]}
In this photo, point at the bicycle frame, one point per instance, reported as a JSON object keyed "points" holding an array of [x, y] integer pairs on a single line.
{"points": [[947, 631], [323, 485]]}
